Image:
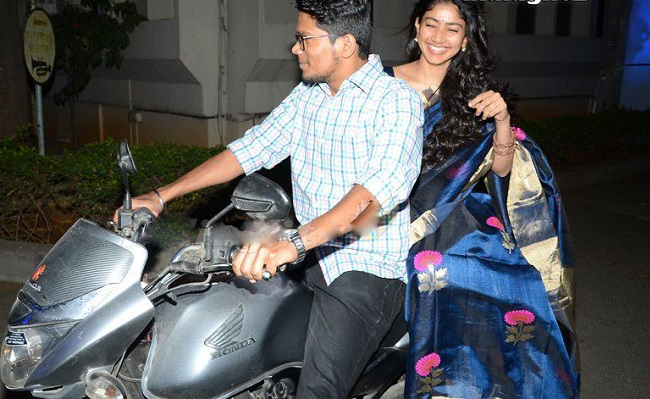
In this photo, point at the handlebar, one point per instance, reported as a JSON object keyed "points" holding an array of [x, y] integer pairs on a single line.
{"points": [[191, 260], [132, 222]]}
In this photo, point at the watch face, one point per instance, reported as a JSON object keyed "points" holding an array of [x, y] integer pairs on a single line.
{"points": [[288, 233]]}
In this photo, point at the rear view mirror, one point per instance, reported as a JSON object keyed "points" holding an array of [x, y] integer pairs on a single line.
{"points": [[127, 165], [261, 198], [256, 195], [125, 159]]}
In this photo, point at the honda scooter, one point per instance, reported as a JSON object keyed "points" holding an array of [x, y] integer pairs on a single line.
{"points": [[88, 323]]}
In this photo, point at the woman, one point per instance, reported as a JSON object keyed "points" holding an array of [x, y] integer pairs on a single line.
{"points": [[490, 301]]}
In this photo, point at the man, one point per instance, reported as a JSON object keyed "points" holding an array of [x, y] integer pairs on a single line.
{"points": [[355, 142]]}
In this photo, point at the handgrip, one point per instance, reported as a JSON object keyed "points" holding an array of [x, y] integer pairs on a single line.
{"points": [[266, 275]]}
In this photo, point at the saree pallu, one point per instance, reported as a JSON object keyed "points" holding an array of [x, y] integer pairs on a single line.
{"points": [[490, 301]]}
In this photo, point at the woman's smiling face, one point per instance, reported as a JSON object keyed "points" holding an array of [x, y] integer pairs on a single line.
{"points": [[441, 34]]}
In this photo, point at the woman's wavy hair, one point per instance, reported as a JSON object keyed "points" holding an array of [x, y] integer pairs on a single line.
{"points": [[469, 74]]}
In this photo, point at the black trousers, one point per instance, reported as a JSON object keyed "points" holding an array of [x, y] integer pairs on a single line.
{"points": [[349, 318]]}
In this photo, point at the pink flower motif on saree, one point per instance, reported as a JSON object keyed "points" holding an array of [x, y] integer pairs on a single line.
{"points": [[494, 221], [515, 316], [430, 375], [519, 327], [426, 363], [430, 276], [427, 259]]}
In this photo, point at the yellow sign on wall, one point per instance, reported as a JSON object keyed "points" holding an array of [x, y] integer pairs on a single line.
{"points": [[39, 46]]}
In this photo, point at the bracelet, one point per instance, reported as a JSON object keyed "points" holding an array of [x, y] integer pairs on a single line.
{"points": [[293, 236], [496, 144], [505, 149], [160, 200], [509, 145], [504, 152]]}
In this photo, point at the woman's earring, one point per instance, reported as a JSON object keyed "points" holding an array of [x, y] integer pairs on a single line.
{"points": [[463, 47], [416, 39]]}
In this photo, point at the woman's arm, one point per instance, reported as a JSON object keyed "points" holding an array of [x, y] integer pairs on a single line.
{"points": [[492, 105]]}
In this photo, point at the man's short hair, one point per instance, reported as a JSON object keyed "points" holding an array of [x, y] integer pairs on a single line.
{"points": [[342, 17]]}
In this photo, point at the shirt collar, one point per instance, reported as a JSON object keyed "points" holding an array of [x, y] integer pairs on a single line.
{"points": [[364, 78]]}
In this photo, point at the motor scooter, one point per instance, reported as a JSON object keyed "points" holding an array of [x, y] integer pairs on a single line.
{"points": [[88, 324]]}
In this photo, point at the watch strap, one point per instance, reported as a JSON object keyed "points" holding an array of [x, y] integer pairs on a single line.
{"points": [[294, 237]]}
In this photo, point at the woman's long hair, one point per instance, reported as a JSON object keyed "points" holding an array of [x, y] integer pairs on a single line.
{"points": [[469, 74]]}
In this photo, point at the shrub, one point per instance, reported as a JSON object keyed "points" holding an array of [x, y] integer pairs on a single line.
{"points": [[90, 181], [87, 182], [577, 140]]}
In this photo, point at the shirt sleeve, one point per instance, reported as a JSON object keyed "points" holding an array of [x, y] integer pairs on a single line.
{"points": [[396, 155], [267, 144]]}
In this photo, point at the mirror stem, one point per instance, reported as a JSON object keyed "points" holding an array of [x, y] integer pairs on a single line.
{"points": [[219, 215], [127, 194], [207, 244], [207, 232]]}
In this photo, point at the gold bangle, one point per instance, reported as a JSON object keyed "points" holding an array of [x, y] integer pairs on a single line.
{"points": [[496, 144], [506, 151], [509, 145]]}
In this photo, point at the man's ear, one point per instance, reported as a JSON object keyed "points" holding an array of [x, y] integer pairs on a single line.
{"points": [[347, 46]]}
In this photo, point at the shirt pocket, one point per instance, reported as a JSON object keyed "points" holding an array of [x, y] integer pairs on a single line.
{"points": [[349, 145]]}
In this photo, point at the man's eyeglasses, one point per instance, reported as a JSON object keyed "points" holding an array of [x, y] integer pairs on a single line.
{"points": [[300, 39]]}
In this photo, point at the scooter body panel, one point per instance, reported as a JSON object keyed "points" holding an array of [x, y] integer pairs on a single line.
{"points": [[216, 342], [90, 278]]}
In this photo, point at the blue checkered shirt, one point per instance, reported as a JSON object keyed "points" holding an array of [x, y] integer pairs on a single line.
{"points": [[369, 133]]}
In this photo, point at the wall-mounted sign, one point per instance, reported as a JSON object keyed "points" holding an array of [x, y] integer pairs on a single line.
{"points": [[39, 46]]}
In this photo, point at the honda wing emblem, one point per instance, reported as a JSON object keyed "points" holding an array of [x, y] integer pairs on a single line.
{"points": [[222, 340]]}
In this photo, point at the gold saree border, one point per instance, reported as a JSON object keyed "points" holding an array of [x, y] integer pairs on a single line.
{"points": [[428, 223]]}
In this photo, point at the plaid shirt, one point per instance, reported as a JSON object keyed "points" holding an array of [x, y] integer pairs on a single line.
{"points": [[369, 133]]}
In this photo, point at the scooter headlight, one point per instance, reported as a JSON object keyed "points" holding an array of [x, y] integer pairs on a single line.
{"points": [[23, 348]]}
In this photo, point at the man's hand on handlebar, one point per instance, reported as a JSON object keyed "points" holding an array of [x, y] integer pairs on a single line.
{"points": [[252, 260], [148, 200]]}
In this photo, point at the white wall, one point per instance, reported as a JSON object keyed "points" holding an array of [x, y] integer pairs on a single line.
{"points": [[174, 67], [170, 67]]}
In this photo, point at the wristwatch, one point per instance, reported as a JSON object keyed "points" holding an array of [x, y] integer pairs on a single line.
{"points": [[294, 236]]}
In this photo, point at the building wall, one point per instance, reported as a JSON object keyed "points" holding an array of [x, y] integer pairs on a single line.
{"points": [[170, 85], [635, 89], [615, 35], [551, 74], [185, 81], [243, 51]]}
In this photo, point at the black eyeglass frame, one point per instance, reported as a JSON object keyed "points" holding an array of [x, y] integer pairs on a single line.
{"points": [[300, 39]]}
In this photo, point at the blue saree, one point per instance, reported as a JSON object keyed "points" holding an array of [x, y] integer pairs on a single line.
{"points": [[490, 298]]}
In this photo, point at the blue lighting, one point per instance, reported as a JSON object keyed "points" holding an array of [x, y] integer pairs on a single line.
{"points": [[635, 89]]}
